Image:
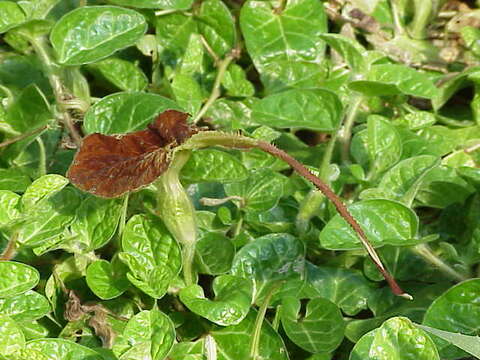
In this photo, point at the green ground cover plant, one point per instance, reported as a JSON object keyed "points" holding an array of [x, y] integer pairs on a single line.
{"points": [[212, 243]]}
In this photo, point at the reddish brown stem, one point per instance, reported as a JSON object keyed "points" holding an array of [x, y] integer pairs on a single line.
{"points": [[22, 136], [341, 208]]}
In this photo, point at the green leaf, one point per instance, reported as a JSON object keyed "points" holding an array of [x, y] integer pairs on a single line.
{"points": [[403, 181], [125, 112], [470, 344], [95, 224], [310, 109], [383, 221], [12, 339], [123, 74], [236, 82], [234, 342], [9, 203], [42, 188], [290, 34], [107, 280], [393, 79], [187, 92], [383, 143], [90, 33], [418, 120], [321, 329], [352, 52], [456, 311], [17, 278], [151, 253], [396, 339], [214, 253], [260, 192], [347, 288], [232, 115], [60, 349], [29, 111], [13, 180], [233, 296], [155, 4], [217, 26], [12, 15], [25, 307], [272, 257], [149, 335], [212, 165]]}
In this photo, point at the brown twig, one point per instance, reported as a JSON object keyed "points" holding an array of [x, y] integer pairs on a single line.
{"points": [[9, 251], [341, 208], [22, 136]]}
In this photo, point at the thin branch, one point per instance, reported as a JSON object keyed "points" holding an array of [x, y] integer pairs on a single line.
{"points": [[22, 136], [10, 250], [341, 208]]}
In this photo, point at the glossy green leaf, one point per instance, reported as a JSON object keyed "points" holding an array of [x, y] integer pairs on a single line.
{"points": [[455, 311], [95, 224], [12, 15], [217, 26], [319, 330], [214, 253], [149, 335], [352, 52], [17, 278], [270, 258], [234, 342], [151, 253], [25, 307], [233, 296], [236, 82], [13, 180], [42, 188], [213, 165], [290, 34], [60, 349], [122, 74], [125, 112], [310, 109], [187, 92], [396, 339], [232, 115], [155, 4], [383, 221], [393, 79], [470, 344], [347, 288], [383, 143], [91, 33], [107, 280], [260, 192], [11, 337], [418, 120], [403, 181], [9, 203], [29, 111]]}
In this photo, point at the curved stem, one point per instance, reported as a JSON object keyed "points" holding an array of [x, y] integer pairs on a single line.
{"points": [[42, 157], [346, 132], [23, 136], [10, 250], [426, 253], [187, 260]]}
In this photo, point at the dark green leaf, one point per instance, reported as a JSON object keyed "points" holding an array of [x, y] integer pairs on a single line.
{"points": [[123, 74], [214, 253], [107, 280], [155, 4]]}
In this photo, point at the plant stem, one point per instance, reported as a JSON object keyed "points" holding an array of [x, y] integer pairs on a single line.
{"points": [[52, 71], [9, 251], [123, 216], [398, 28], [42, 158], [259, 322], [426, 253], [215, 94], [346, 132], [22, 136], [187, 262], [276, 319]]}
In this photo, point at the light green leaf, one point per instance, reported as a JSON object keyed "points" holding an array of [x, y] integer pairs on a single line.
{"points": [[155, 4], [352, 52], [11, 337], [217, 26], [383, 221], [25, 307], [321, 329], [187, 92], [42, 188], [107, 280], [149, 335], [123, 74], [236, 82], [418, 120], [9, 206], [213, 165], [125, 112], [16, 278], [232, 115], [60, 349], [396, 339], [12, 15], [310, 109], [233, 296], [90, 33]]}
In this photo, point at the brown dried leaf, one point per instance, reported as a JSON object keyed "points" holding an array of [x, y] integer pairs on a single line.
{"points": [[110, 166]]}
